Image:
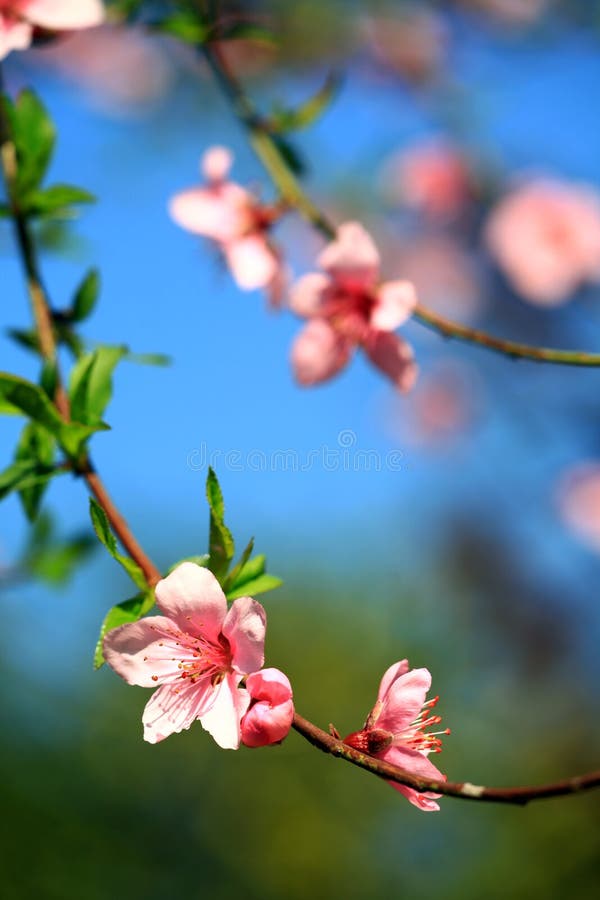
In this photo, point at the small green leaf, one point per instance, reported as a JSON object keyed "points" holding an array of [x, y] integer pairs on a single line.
{"points": [[306, 113], [128, 611], [32, 401], [34, 134], [36, 445], [290, 155], [25, 338], [86, 296], [149, 359], [221, 544], [185, 26], [259, 585], [107, 538], [239, 566], [55, 200], [251, 570], [90, 388]]}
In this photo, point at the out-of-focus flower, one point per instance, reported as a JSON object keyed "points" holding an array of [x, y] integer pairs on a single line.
{"points": [[513, 12], [271, 710], [413, 42], [396, 729], [18, 18], [431, 177], [198, 653], [123, 67], [545, 236], [444, 274], [230, 215], [579, 502], [347, 308], [442, 409]]}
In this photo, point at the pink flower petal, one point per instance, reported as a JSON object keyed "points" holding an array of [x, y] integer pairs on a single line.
{"points": [[146, 652], [14, 35], [394, 672], [352, 259], [59, 14], [220, 213], [172, 708], [396, 301], [244, 627], [252, 262], [404, 700], [223, 718], [415, 764], [308, 294], [394, 357], [269, 684], [216, 163], [193, 598], [319, 353]]}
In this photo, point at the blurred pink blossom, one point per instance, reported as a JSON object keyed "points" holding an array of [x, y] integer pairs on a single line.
{"points": [[444, 274], [18, 18], [395, 730], [431, 177], [513, 12], [347, 308], [271, 710], [579, 502], [123, 67], [198, 652], [545, 236], [413, 42], [230, 215], [444, 406]]}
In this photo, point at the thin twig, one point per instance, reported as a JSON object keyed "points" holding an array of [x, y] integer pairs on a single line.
{"points": [[288, 185]]}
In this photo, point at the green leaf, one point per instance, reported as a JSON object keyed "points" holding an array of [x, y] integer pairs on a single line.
{"points": [[185, 26], [26, 338], [23, 475], [54, 200], [86, 296], [32, 401], [290, 155], [251, 588], [107, 538], [90, 388], [239, 566], [34, 135], [128, 611], [221, 544], [36, 445], [50, 559], [308, 112], [250, 570]]}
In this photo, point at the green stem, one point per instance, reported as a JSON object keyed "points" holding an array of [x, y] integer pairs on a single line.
{"points": [[292, 192]]}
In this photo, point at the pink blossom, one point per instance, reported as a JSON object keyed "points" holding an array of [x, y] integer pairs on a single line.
{"points": [[271, 709], [545, 236], [347, 308], [395, 730], [412, 42], [579, 502], [227, 213], [18, 18], [197, 653], [432, 177], [513, 12]]}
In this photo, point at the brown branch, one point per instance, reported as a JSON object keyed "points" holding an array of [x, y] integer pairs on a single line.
{"points": [[517, 796], [278, 169], [44, 325]]}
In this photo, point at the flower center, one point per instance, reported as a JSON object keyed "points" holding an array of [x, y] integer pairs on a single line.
{"points": [[417, 737]]}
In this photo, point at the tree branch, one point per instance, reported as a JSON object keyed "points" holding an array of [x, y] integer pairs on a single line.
{"points": [[292, 192], [517, 796], [42, 313]]}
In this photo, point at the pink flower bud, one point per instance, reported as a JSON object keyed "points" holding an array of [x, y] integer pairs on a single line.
{"points": [[271, 711]]}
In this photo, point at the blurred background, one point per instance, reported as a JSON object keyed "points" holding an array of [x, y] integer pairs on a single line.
{"points": [[458, 526]]}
